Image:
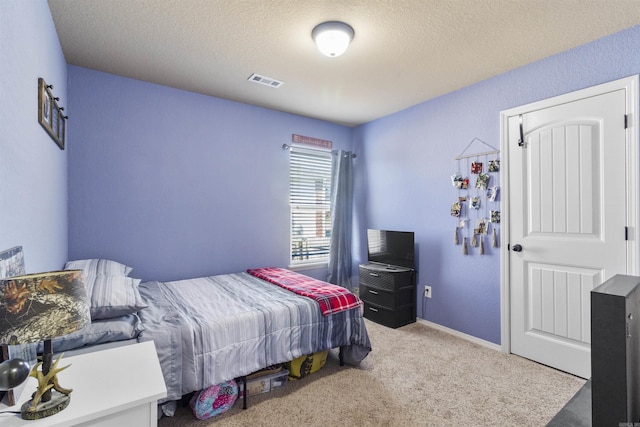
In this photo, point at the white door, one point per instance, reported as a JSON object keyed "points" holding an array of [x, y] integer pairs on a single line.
{"points": [[568, 223]]}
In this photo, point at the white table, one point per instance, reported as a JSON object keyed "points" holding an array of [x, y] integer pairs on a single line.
{"points": [[115, 387]]}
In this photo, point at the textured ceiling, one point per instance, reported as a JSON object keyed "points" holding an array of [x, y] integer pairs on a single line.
{"points": [[404, 51]]}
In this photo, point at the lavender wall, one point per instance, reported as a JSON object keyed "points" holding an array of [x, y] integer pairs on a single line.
{"points": [[33, 170], [408, 157], [177, 184]]}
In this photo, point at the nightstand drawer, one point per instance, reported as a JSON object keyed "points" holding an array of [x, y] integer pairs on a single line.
{"points": [[376, 296], [388, 317], [384, 280], [386, 299]]}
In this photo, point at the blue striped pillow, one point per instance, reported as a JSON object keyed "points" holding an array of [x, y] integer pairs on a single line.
{"points": [[94, 267], [115, 296], [111, 292]]}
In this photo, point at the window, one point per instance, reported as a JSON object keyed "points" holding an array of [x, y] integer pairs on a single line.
{"points": [[310, 201]]}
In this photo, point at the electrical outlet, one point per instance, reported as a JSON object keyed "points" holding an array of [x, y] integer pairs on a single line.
{"points": [[427, 291]]}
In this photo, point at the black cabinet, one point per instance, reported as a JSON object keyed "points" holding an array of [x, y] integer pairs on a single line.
{"points": [[388, 293], [615, 351]]}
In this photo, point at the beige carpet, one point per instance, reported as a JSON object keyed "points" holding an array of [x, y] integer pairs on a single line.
{"points": [[415, 376]]}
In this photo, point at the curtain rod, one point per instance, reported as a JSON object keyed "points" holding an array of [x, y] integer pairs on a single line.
{"points": [[288, 147]]}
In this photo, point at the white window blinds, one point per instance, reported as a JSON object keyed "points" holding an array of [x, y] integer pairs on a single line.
{"points": [[310, 200]]}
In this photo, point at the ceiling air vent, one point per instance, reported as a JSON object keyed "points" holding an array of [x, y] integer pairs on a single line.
{"points": [[267, 81]]}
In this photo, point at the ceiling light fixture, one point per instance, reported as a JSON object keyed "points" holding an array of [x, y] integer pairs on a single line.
{"points": [[332, 37]]}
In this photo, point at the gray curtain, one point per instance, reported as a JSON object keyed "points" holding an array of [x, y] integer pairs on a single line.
{"points": [[341, 219]]}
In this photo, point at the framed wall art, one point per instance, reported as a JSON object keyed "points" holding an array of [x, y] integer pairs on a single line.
{"points": [[50, 114], [11, 264]]}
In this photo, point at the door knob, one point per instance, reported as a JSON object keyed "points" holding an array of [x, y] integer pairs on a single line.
{"points": [[517, 248]]}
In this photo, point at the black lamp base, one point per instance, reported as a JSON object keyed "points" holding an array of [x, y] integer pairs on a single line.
{"points": [[57, 403]]}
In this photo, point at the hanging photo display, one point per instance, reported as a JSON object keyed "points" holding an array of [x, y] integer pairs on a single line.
{"points": [[481, 200]]}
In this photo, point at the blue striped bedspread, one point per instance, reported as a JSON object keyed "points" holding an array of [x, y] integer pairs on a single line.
{"points": [[211, 329]]}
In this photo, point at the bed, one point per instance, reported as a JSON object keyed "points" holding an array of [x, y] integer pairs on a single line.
{"points": [[209, 330], [212, 329]]}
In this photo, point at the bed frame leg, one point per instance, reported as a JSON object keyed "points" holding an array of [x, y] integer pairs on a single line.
{"points": [[341, 357], [245, 392], [186, 398]]}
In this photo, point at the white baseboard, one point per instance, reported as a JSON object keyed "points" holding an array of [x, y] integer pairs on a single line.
{"points": [[462, 335]]}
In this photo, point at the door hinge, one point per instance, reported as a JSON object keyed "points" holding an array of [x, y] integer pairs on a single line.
{"points": [[626, 121], [626, 233]]}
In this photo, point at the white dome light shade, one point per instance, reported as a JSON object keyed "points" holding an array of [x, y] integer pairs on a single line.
{"points": [[333, 37]]}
